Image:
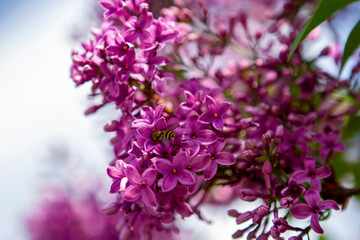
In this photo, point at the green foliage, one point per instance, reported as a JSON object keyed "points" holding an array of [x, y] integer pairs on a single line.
{"points": [[353, 127], [352, 43], [324, 11]]}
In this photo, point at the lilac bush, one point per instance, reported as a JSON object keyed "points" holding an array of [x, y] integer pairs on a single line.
{"points": [[208, 99]]}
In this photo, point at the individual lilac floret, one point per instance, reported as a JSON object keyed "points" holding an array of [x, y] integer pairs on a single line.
{"points": [[117, 174], [120, 48], [146, 133], [293, 189], [148, 116], [139, 27], [311, 172], [215, 113], [127, 65], [140, 186], [111, 6], [330, 142], [223, 158], [174, 171], [313, 208]]}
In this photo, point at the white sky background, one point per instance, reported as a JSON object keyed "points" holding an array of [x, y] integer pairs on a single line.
{"points": [[40, 108]]}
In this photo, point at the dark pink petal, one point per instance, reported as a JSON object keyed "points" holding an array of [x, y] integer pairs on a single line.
{"points": [[189, 97], [200, 163], [132, 174], [206, 137], [169, 182], [217, 146], [147, 113], [132, 193], [159, 110], [206, 117], [315, 184], [300, 176], [324, 151], [340, 147], [323, 172], [301, 211], [210, 171], [149, 176], [223, 108], [184, 209], [315, 224], [185, 177], [114, 173], [211, 104], [180, 160], [160, 124], [334, 135], [149, 145], [145, 132], [148, 197], [309, 164], [312, 197], [115, 186], [243, 217], [225, 158], [326, 204], [218, 123], [160, 60], [163, 166], [146, 37]]}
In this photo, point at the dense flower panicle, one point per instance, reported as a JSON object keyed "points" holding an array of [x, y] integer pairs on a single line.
{"points": [[196, 114]]}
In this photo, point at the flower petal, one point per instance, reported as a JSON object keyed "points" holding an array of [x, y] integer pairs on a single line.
{"points": [[185, 177], [132, 174], [312, 197], [206, 137], [225, 158], [315, 224], [340, 147], [200, 163], [184, 209], [217, 146], [211, 104], [323, 172], [180, 161], [132, 193], [163, 166], [309, 164], [326, 204], [301, 211], [114, 173], [223, 108], [210, 171], [218, 123], [148, 197], [169, 182], [149, 176], [300, 176], [206, 117]]}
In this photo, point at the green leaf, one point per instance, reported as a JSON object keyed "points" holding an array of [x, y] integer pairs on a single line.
{"points": [[352, 128], [324, 11], [351, 44]]}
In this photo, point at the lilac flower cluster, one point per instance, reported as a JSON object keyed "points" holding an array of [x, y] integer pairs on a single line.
{"points": [[193, 119]]}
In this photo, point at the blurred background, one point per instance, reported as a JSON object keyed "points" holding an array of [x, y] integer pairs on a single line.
{"points": [[45, 139]]}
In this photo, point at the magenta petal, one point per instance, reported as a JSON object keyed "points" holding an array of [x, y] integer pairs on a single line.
{"points": [[326, 204], [132, 193], [148, 197], [132, 174], [147, 113], [169, 182], [323, 172], [206, 117], [159, 110], [315, 184], [300, 176], [223, 108], [184, 209], [225, 158], [200, 163], [149, 176], [217, 146], [185, 177], [309, 164], [145, 132], [206, 137], [180, 160], [149, 145], [210, 171], [114, 173], [340, 147], [211, 104], [115, 186], [163, 166], [324, 151], [312, 197], [218, 123], [301, 211], [160, 124], [315, 224]]}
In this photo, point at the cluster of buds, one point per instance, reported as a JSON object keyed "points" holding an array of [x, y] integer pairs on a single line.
{"points": [[191, 118]]}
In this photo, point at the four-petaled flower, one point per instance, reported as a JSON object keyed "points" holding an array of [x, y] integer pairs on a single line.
{"points": [[313, 208], [140, 186], [311, 172], [215, 113], [330, 142], [174, 171]]}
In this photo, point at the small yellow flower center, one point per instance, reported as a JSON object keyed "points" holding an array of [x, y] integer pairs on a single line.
{"points": [[125, 47], [174, 171], [143, 182], [212, 157], [138, 30], [126, 67], [216, 115], [193, 136]]}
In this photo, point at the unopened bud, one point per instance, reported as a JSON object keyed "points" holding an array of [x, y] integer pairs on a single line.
{"points": [[266, 139]]}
